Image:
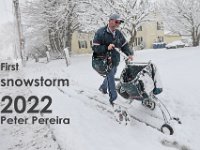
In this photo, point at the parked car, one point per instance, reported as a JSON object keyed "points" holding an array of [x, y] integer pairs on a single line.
{"points": [[188, 42], [175, 44], [157, 45]]}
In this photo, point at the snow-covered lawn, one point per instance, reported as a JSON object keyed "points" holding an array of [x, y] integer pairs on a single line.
{"points": [[92, 128]]}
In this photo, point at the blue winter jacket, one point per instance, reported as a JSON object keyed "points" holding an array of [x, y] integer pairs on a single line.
{"points": [[103, 38]]}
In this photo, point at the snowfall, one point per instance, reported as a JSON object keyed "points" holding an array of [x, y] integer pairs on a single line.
{"points": [[92, 125]]}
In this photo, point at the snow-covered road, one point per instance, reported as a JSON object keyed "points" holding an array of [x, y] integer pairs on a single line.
{"points": [[93, 128]]}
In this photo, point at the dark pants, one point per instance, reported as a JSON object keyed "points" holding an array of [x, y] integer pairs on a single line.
{"points": [[109, 83]]}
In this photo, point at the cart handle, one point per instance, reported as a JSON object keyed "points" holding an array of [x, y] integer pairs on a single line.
{"points": [[129, 62]]}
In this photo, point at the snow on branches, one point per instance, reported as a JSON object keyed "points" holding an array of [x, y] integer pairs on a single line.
{"points": [[182, 17]]}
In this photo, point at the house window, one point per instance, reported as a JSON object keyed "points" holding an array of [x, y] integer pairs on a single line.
{"points": [[141, 39], [82, 44], [139, 28], [159, 25], [138, 41], [135, 41], [91, 43], [160, 39]]}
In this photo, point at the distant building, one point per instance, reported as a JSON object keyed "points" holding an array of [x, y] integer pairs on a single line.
{"points": [[153, 32], [81, 42], [170, 37], [148, 34]]}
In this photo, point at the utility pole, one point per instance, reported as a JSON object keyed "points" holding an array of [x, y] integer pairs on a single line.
{"points": [[17, 15]]}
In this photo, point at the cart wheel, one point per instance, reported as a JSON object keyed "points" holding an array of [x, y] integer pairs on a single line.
{"points": [[149, 104], [153, 105], [167, 129]]}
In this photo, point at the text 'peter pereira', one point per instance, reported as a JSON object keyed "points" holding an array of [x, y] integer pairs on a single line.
{"points": [[33, 120], [37, 82]]}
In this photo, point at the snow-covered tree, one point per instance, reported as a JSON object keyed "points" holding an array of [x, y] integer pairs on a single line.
{"points": [[183, 17], [50, 22], [134, 12]]}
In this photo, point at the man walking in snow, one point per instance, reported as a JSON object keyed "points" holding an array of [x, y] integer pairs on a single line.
{"points": [[105, 41]]}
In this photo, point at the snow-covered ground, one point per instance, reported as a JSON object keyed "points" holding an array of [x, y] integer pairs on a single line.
{"points": [[93, 128]]}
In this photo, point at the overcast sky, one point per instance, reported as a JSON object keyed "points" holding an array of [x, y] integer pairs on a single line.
{"points": [[5, 11], [6, 15]]}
